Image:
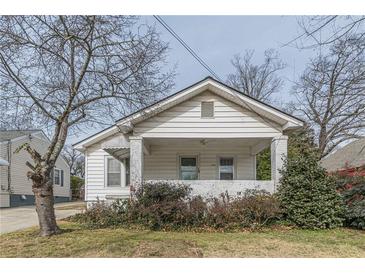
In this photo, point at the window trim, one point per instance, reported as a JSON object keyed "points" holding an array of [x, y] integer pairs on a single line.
{"points": [[106, 173], [219, 157], [127, 172], [62, 177], [196, 156], [201, 109]]}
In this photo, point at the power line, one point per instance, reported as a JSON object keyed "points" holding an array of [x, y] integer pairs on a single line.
{"points": [[186, 46], [310, 33], [195, 55]]}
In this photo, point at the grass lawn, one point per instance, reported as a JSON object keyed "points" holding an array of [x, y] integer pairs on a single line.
{"points": [[280, 242]]}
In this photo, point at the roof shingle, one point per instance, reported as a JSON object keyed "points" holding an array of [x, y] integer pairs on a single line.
{"points": [[12, 134], [351, 155]]}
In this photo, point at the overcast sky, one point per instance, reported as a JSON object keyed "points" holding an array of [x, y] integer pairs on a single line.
{"points": [[217, 38]]}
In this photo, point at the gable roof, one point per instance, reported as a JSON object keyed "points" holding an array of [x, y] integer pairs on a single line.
{"points": [[16, 135], [6, 135], [351, 155], [208, 78], [262, 109]]}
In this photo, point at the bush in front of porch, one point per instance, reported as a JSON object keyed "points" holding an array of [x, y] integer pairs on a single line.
{"points": [[307, 194], [166, 206]]}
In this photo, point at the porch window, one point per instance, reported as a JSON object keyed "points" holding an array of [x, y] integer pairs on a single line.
{"points": [[113, 172], [226, 168], [188, 168]]}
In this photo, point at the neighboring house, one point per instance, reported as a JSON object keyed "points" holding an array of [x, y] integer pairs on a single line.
{"points": [[349, 160], [206, 135], [16, 188]]}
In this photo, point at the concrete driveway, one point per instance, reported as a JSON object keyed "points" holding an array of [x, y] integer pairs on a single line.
{"points": [[17, 218]]}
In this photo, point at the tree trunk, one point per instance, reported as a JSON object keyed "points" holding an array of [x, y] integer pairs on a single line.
{"points": [[322, 141], [44, 206]]}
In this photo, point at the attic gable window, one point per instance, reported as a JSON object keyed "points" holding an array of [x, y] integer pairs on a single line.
{"points": [[207, 109]]}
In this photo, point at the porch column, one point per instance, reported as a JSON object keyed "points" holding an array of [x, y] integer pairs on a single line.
{"points": [[136, 161], [279, 150]]}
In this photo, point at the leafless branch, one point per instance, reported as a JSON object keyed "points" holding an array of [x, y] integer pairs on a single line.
{"points": [[258, 81], [325, 30], [64, 72], [331, 93]]}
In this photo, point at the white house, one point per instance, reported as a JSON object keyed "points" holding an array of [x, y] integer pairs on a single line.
{"points": [[16, 189], [206, 135]]}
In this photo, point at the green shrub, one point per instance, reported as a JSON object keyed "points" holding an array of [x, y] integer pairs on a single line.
{"points": [[77, 185], [355, 214], [263, 165], [307, 194], [352, 190], [165, 206], [299, 140]]}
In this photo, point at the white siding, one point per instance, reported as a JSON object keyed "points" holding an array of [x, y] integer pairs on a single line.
{"points": [[178, 131], [3, 169], [95, 176], [163, 162], [184, 120], [19, 181]]}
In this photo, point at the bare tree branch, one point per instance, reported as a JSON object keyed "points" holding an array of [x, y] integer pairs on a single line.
{"points": [[324, 30], [75, 160], [61, 72], [330, 93], [258, 81]]}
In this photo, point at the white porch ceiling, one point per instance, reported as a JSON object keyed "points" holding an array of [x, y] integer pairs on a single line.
{"points": [[118, 153]]}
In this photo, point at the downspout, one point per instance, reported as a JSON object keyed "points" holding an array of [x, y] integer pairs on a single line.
{"points": [[9, 166]]}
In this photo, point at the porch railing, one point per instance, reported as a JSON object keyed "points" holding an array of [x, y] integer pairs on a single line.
{"points": [[213, 188]]}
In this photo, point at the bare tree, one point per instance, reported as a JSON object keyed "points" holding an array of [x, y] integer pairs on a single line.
{"points": [[258, 81], [75, 160], [9, 118], [323, 30], [331, 93], [67, 71]]}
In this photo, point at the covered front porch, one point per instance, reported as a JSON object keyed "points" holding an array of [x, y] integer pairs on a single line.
{"points": [[210, 166]]}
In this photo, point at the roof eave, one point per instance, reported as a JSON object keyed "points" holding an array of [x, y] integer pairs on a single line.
{"points": [[288, 121], [210, 83]]}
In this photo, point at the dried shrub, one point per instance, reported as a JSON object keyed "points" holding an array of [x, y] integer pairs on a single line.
{"points": [[253, 209], [165, 206], [162, 192], [100, 215]]}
